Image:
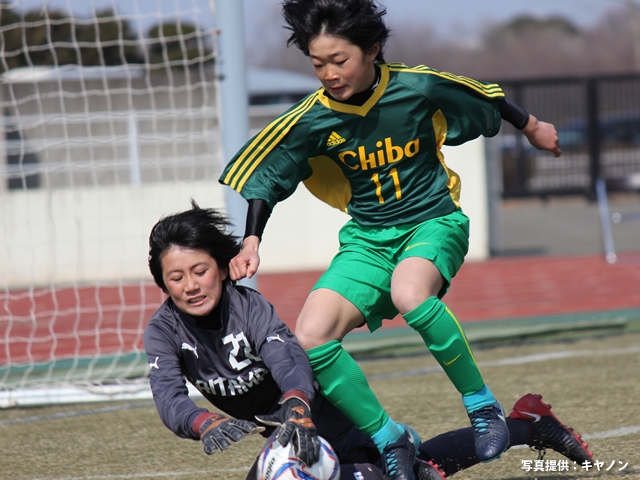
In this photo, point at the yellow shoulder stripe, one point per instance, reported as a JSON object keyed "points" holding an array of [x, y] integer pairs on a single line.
{"points": [[491, 90], [264, 142]]}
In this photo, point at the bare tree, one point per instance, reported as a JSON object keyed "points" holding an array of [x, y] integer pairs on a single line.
{"points": [[524, 47]]}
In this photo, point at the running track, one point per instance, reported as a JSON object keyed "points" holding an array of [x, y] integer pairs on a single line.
{"points": [[110, 319]]}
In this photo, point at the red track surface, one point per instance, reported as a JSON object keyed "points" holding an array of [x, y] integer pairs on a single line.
{"points": [[503, 288], [45, 325]]}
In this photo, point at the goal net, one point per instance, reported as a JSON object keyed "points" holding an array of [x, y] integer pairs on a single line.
{"points": [[110, 121]]}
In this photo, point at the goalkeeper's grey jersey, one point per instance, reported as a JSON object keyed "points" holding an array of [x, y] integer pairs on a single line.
{"points": [[242, 366]]}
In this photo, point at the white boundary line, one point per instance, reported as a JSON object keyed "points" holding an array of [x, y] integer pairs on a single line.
{"points": [[538, 357], [616, 432], [152, 474], [76, 413]]}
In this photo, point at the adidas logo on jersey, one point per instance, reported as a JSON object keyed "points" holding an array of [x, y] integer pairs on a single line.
{"points": [[335, 139]]}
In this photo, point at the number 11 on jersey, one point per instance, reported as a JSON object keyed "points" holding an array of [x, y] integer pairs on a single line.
{"points": [[393, 173]]}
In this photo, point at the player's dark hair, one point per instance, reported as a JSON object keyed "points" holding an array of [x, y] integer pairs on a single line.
{"points": [[203, 229], [357, 21]]}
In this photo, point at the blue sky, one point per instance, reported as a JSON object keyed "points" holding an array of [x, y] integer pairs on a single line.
{"points": [[446, 15]]}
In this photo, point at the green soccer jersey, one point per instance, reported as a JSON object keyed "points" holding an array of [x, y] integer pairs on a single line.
{"points": [[380, 162]]}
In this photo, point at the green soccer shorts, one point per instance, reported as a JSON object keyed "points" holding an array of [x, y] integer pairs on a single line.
{"points": [[361, 271]]}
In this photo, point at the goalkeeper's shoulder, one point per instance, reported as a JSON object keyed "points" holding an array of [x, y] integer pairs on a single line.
{"points": [[250, 308], [163, 319], [160, 333]]}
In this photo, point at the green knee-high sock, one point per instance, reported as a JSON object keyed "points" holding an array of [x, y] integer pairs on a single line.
{"points": [[345, 385], [441, 332]]}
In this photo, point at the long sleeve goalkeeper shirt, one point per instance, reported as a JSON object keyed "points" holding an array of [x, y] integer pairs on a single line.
{"points": [[242, 364]]}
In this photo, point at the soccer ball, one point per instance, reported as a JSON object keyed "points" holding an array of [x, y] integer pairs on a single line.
{"points": [[280, 463]]}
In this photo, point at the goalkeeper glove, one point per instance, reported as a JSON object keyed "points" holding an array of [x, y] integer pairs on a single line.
{"points": [[294, 420], [217, 432]]}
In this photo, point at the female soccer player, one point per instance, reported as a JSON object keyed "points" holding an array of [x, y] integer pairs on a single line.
{"points": [[369, 143], [227, 341]]}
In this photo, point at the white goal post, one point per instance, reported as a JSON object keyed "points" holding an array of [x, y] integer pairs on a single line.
{"points": [[109, 122]]}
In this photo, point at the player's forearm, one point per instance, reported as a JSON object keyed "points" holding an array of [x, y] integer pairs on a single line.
{"points": [[251, 243], [514, 114], [167, 381], [532, 126], [291, 370], [258, 213], [175, 408], [285, 358]]}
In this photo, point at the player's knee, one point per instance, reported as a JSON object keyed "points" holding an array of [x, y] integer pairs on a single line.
{"points": [[307, 340], [313, 331], [309, 335], [326, 316], [409, 299]]}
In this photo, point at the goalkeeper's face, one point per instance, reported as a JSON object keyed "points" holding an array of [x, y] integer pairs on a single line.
{"points": [[193, 280]]}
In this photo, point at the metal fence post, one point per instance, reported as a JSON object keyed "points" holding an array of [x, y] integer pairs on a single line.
{"points": [[605, 221], [521, 162], [593, 130]]}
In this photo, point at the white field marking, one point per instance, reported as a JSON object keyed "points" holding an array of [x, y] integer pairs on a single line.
{"points": [[151, 474], [77, 413], [538, 357], [616, 432]]}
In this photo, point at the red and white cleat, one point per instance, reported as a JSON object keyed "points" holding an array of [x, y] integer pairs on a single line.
{"points": [[549, 432]]}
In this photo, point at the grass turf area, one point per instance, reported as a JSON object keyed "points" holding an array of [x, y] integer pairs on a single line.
{"points": [[592, 383]]}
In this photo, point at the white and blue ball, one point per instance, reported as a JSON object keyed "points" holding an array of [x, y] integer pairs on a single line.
{"points": [[280, 463]]}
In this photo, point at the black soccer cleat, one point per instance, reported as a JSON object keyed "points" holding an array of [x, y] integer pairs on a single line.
{"points": [[549, 432], [428, 471], [491, 432], [398, 458]]}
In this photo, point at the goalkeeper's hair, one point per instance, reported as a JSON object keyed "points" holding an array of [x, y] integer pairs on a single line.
{"points": [[203, 229], [357, 21]]}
